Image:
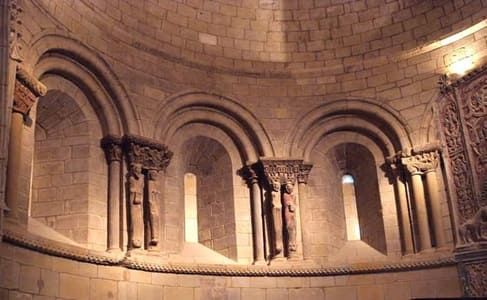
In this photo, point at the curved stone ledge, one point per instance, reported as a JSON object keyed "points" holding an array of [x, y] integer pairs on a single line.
{"points": [[54, 248]]}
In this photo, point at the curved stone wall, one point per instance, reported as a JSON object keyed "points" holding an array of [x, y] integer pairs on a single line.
{"points": [[266, 79]]}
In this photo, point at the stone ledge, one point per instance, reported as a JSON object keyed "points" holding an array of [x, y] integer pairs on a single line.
{"points": [[20, 237]]}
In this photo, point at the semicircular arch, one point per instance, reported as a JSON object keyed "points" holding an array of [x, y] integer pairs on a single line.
{"points": [[191, 107], [380, 120], [54, 53]]}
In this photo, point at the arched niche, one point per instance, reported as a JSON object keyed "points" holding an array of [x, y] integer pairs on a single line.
{"points": [[223, 208], [69, 172]]}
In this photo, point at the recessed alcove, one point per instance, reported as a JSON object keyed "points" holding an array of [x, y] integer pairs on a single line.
{"points": [[208, 194], [68, 172]]}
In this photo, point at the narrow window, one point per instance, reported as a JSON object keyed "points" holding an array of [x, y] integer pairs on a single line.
{"points": [[190, 209], [350, 205]]}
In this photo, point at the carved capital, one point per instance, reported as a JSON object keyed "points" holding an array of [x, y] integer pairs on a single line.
{"points": [[282, 170], [150, 154], [27, 90], [420, 162], [112, 145], [285, 170], [250, 174], [303, 174]]}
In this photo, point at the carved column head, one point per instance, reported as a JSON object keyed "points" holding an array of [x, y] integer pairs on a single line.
{"points": [[112, 145], [303, 173], [150, 154], [27, 90], [250, 174], [421, 161]]}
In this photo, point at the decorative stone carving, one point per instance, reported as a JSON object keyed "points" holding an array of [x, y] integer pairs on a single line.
{"points": [[281, 175], [15, 31], [470, 230], [153, 203], [136, 197], [27, 90], [147, 157], [281, 170], [149, 154], [303, 174], [421, 162], [289, 206], [462, 112], [113, 148], [476, 279], [276, 224]]}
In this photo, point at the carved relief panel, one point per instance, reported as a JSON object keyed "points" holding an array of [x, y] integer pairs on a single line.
{"points": [[462, 115]]}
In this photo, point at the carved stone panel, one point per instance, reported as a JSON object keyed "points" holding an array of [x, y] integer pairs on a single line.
{"points": [[473, 101], [475, 279], [462, 116]]}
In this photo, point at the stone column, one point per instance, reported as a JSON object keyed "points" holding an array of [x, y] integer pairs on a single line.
{"points": [[413, 164], [252, 179], [113, 154], [434, 198], [305, 208], [404, 218], [27, 90]]}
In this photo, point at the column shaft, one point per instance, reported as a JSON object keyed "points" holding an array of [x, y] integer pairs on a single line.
{"points": [[114, 207], [421, 212], [14, 163], [405, 220], [305, 212], [258, 234], [434, 197]]}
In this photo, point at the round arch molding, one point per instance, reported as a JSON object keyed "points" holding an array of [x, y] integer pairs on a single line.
{"points": [[51, 53], [191, 107], [377, 121]]}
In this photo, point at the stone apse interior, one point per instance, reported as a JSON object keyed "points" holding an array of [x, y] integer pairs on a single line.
{"points": [[243, 149]]}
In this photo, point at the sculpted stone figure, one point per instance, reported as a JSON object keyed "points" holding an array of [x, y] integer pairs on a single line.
{"points": [[153, 203], [470, 231], [289, 205], [277, 217], [136, 197]]}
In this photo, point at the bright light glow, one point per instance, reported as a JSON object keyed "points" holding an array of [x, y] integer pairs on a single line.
{"points": [[347, 179], [461, 65], [190, 209], [350, 207]]}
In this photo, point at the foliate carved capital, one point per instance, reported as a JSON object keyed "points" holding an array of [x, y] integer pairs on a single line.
{"points": [[27, 90], [112, 145], [420, 162], [150, 154], [285, 170]]}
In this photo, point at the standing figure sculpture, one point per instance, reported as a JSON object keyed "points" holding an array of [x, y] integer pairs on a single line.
{"points": [[289, 205], [277, 218], [136, 197], [153, 203]]}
